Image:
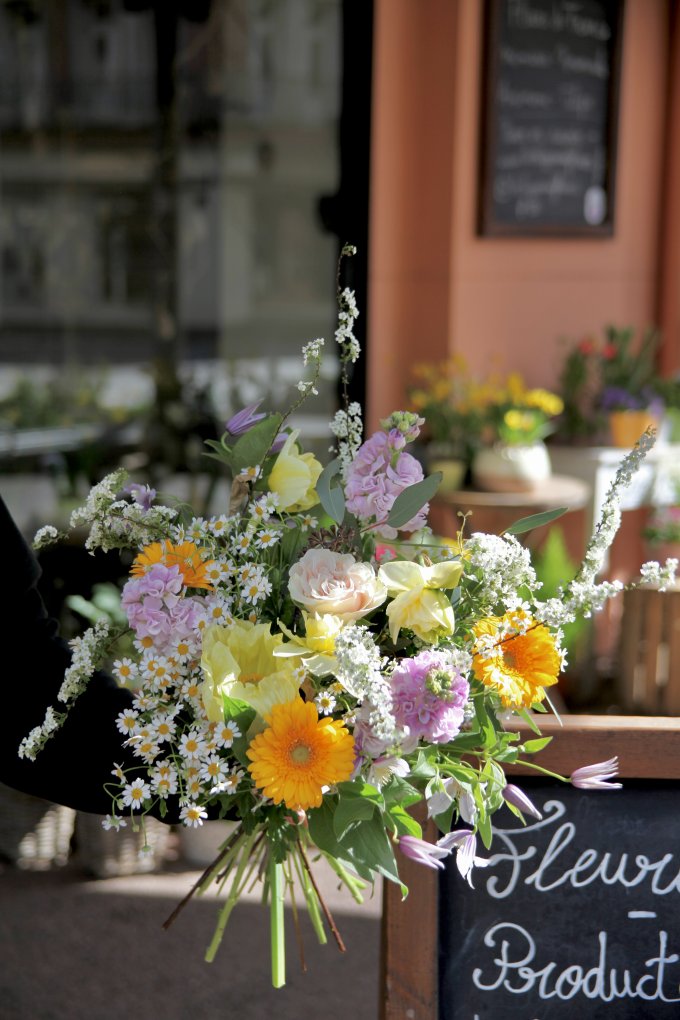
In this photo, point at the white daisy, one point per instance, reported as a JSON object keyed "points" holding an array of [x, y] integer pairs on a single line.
{"points": [[325, 702], [135, 793], [192, 815], [113, 822], [127, 721], [230, 782], [226, 733], [192, 745], [124, 671], [214, 769]]}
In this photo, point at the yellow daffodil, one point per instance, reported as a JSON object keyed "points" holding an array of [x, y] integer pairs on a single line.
{"points": [[294, 476], [419, 603], [317, 646], [239, 662]]}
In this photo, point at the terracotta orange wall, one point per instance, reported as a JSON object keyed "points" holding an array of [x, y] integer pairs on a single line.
{"points": [[435, 286]]}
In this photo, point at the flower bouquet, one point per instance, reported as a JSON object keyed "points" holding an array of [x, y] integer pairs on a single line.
{"points": [[312, 662]]}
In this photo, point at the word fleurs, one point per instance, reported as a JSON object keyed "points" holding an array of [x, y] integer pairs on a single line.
{"points": [[555, 868]]}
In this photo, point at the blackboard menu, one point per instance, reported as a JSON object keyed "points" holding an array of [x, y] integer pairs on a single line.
{"points": [[577, 915], [550, 107]]}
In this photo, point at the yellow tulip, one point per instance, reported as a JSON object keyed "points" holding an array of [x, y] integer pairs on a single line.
{"points": [[294, 476]]}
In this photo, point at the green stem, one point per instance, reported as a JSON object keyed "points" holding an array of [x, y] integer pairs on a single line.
{"points": [[231, 900], [277, 884], [355, 885], [312, 902], [539, 768]]}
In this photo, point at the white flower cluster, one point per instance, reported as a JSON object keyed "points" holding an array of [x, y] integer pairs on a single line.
{"points": [[359, 670], [503, 566], [88, 655], [312, 350], [348, 426], [350, 348], [45, 536], [116, 523], [34, 742], [661, 576], [610, 515]]}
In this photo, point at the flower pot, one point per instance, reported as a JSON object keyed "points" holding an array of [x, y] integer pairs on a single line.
{"points": [[453, 472], [504, 468], [626, 427]]}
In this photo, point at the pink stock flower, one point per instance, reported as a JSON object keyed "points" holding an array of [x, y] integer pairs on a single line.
{"points": [[597, 776], [428, 697], [381, 471]]}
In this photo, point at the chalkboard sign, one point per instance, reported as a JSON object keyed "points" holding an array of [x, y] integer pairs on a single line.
{"points": [[550, 110], [577, 915]]}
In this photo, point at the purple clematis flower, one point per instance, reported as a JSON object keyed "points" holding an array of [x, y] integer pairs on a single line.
{"points": [[518, 798], [244, 420], [144, 495], [597, 776], [422, 852]]}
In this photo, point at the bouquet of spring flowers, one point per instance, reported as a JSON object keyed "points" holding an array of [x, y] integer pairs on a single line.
{"points": [[312, 662]]}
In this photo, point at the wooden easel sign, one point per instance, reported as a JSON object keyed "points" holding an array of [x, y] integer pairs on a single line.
{"points": [[576, 915]]}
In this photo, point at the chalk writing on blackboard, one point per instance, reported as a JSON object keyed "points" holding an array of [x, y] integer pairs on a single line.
{"points": [[549, 133], [576, 911]]}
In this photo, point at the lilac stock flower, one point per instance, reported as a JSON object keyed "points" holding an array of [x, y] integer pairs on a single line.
{"points": [[380, 471], [422, 852], [513, 795], [155, 607], [244, 420], [429, 697], [144, 495], [597, 776]]}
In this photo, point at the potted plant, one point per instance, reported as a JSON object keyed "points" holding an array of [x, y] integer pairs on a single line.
{"points": [[517, 420], [610, 388], [444, 395]]}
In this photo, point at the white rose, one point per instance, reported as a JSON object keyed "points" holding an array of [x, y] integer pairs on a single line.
{"points": [[327, 582]]}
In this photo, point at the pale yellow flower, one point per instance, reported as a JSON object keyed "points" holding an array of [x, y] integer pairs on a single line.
{"points": [[317, 646], [239, 661], [419, 603], [294, 476]]}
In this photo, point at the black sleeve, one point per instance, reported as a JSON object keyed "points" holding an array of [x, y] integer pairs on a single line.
{"points": [[76, 762]]}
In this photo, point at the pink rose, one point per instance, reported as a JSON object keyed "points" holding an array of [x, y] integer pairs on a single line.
{"points": [[327, 582]]}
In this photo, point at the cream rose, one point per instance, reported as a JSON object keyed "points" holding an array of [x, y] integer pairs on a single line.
{"points": [[327, 582]]}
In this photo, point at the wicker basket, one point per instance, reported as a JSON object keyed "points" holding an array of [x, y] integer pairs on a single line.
{"points": [[34, 834], [108, 854]]}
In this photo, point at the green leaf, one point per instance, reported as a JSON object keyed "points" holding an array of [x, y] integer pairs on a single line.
{"points": [[320, 822], [485, 830], [367, 844], [409, 502], [331, 497], [252, 447], [529, 721], [404, 823], [532, 746], [535, 521]]}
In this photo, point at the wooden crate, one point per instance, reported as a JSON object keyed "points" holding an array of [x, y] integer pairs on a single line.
{"points": [[649, 651]]}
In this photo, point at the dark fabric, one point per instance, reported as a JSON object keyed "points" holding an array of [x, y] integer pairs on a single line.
{"points": [[76, 762]]}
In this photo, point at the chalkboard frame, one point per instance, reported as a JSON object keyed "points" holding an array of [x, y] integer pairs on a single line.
{"points": [[488, 225], [647, 748]]}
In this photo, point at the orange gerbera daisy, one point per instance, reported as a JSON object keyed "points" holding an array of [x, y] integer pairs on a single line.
{"points": [[187, 556], [298, 754], [519, 666]]}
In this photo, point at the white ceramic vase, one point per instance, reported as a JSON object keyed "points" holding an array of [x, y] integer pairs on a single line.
{"points": [[508, 468]]}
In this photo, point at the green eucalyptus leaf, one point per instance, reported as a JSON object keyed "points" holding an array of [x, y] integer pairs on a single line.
{"points": [[411, 500], [535, 521], [331, 497]]}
